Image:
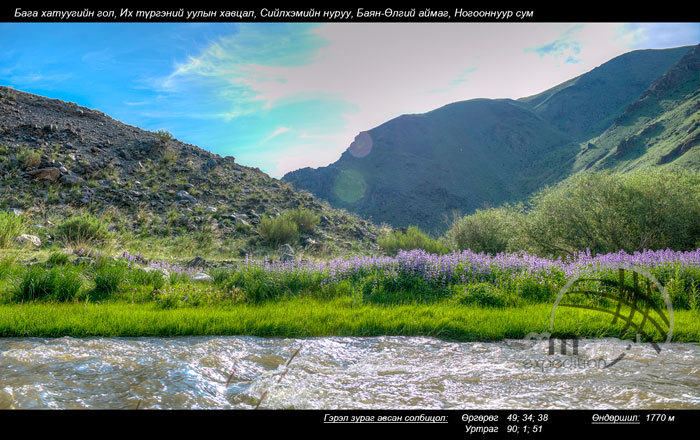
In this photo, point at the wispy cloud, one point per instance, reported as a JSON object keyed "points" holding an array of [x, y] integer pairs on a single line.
{"points": [[278, 131], [567, 46], [281, 96]]}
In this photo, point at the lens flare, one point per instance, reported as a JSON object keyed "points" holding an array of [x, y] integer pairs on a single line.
{"points": [[349, 186], [362, 145]]}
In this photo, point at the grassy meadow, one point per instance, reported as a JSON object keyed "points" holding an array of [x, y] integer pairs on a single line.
{"points": [[495, 274]]}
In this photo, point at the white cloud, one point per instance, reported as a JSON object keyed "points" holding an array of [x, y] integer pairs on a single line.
{"points": [[388, 69], [278, 131]]}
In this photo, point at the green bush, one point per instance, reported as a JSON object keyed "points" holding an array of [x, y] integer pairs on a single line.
{"points": [[28, 158], [57, 283], [108, 278], [85, 229], [605, 212], [534, 290], [164, 135], [278, 230], [150, 278], [483, 295], [413, 238], [11, 226], [391, 288], [489, 231], [8, 268], [305, 219], [57, 259]]}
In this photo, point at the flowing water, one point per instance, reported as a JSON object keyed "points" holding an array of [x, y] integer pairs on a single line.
{"points": [[342, 373]]}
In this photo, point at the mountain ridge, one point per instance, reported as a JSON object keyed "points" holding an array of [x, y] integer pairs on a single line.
{"points": [[509, 153]]}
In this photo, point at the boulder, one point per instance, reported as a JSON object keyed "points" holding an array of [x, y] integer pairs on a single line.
{"points": [[162, 270], [184, 195], [70, 179], [28, 240], [197, 262], [287, 257], [50, 174], [286, 249], [201, 277]]}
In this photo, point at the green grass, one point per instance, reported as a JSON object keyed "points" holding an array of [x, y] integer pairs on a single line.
{"points": [[11, 226], [413, 238], [304, 317], [83, 230]]}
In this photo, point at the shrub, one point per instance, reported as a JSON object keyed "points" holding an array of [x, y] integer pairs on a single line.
{"points": [[57, 283], [164, 136], [84, 229], [481, 294], [386, 287], [28, 158], [57, 259], [170, 157], [413, 238], [8, 268], [11, 226], [607, 212], [534, 290], [305, 219], [489, 231], [278, 231], [108, 278], [195, 295], [151, 278]]}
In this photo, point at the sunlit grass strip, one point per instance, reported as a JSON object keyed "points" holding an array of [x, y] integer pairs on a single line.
{"points": [[312, 318]]}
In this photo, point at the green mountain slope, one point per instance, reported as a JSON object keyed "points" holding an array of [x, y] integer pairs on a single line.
{"points": [[662, 128], [419, 169], [585, 106]]}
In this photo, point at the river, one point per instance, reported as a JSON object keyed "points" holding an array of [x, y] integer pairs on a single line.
{"points": [[344, 373]]}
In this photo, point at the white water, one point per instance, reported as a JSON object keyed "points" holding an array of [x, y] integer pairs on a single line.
{"points": [[341, 373]]}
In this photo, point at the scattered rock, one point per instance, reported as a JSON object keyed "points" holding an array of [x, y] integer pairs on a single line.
{"points": [[70, 179], [287, 249], [201, 277], [210, 165], [162, 270], [287, 257], [26, 239], [197, 262], [184, 195], [51, 174]]}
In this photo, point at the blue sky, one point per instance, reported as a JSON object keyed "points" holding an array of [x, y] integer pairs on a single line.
{"points": [[281, 96]]}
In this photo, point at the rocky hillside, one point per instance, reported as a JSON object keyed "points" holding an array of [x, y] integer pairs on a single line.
{"points": [[420, 169], [59, 157]]}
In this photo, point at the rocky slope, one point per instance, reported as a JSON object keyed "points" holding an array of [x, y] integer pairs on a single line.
{"points": [[56, 156]]}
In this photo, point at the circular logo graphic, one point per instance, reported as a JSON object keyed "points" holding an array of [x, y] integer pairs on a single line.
{"points": [[629, 295]]}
